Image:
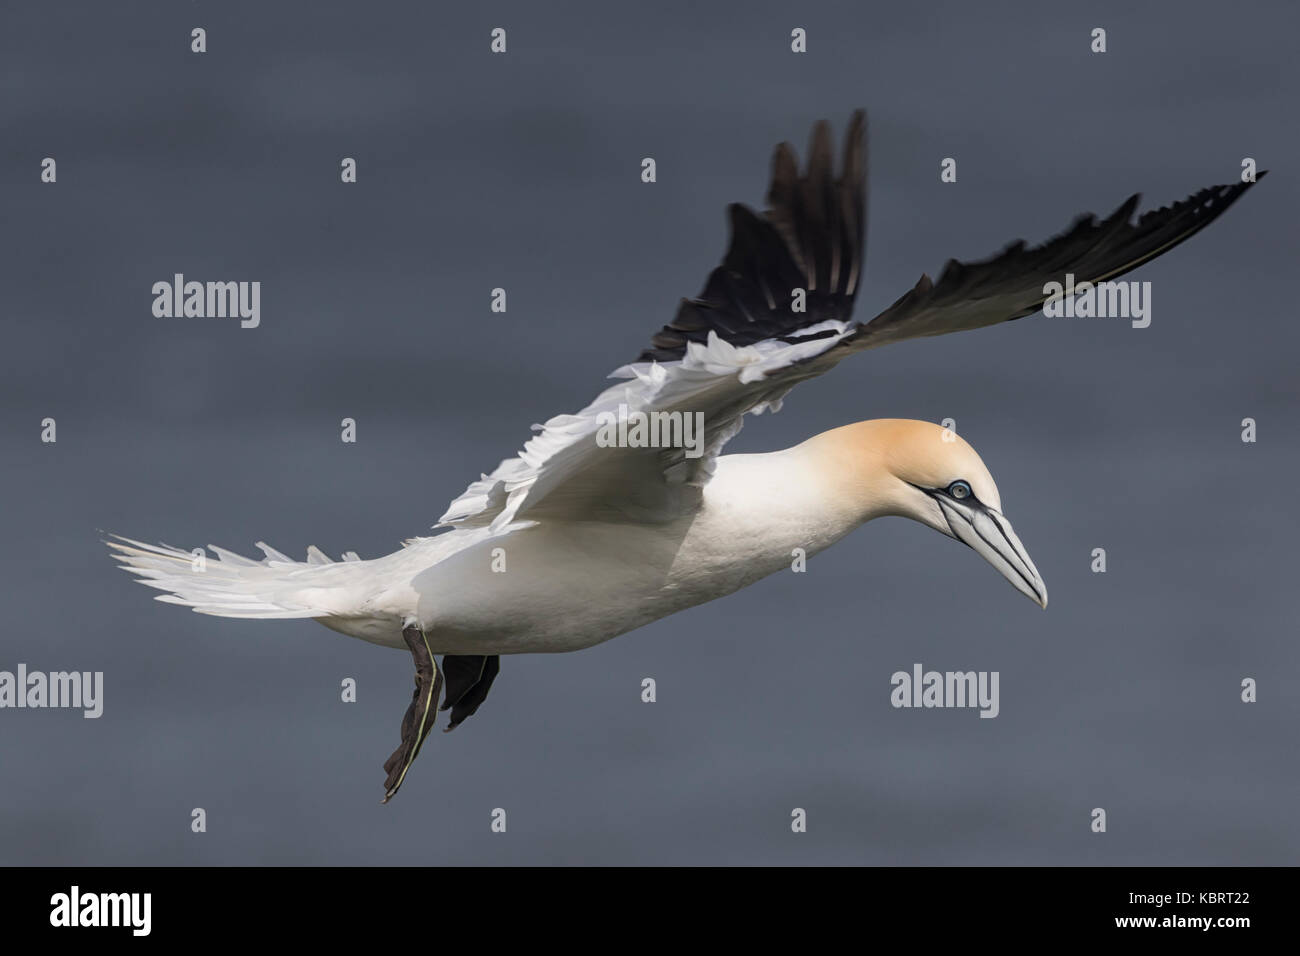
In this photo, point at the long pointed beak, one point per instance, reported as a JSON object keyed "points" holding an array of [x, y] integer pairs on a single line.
{"points": [[991, 534]]}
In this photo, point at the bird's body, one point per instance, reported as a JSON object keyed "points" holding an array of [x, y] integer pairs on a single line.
{"points": [[564, 585], [579, 538]]}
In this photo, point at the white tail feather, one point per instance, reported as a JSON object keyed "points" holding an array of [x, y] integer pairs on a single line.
{"points": [[235, 586]]}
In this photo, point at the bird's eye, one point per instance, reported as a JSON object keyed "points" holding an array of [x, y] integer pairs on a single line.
{"points": [[960, 490]]}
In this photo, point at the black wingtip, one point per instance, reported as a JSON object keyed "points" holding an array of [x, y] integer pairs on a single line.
{"points": [[1124, 211], [855, 135], [811, 236], [1096, 251]]}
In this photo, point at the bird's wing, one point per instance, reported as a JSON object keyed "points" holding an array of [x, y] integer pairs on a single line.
{"points": [[1010, 285], [777, 311], [736, 349]]}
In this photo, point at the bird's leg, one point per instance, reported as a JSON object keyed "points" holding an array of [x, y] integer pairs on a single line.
{"points": [[469, 677], [422, 713]]}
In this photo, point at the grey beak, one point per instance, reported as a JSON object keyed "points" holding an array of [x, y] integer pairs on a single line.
{"points": [[991, 534]]}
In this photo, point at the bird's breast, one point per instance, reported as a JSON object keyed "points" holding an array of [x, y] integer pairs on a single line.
{"points": [[565, 585]]}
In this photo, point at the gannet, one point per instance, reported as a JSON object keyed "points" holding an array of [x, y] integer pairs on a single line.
{"points": [[588, 533]]}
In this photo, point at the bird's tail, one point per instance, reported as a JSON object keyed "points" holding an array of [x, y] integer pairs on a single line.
{"points": [[234, 586]]}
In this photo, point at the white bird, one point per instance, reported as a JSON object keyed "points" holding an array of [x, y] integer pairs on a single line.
{"points": [[604, 527]]}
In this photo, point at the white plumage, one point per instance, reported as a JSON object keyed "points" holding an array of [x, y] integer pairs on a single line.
{"points": [[572, 542]]}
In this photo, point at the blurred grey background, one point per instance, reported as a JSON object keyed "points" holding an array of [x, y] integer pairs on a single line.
{"points": [[522, 171]]}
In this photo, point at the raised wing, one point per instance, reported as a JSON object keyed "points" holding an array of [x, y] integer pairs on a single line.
{"points": [[970, 295], [781, 297], [777, 311], [811, 238]]}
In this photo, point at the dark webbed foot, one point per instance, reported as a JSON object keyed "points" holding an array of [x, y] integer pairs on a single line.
{"points": [[469, 678], [420, 716]]}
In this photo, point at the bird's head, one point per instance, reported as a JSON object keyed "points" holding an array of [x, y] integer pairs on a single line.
{"points": [[930, 474]]}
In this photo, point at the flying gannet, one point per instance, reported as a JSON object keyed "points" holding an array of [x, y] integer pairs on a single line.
{"points": [[603, 536]]}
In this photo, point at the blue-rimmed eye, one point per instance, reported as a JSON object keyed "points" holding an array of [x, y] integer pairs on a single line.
{"points": [[960, 490]]}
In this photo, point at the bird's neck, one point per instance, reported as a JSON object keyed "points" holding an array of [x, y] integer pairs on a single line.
{"points": [[801, 497]]}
